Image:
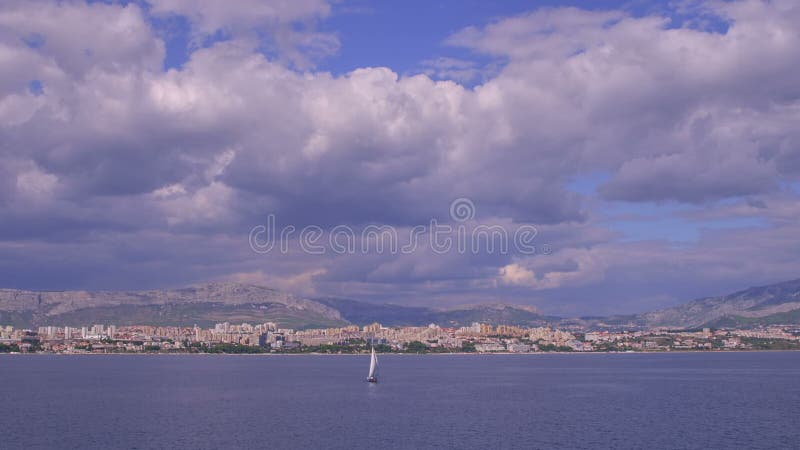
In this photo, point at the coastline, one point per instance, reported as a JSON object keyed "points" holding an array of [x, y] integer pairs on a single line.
{"points": [[488, 354]]}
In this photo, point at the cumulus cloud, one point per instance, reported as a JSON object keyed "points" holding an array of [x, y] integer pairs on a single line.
{"points": [[517, 275], [286, 26], [301, 284], [570, 267], [111, 147], [652, 102], [64, 41]]}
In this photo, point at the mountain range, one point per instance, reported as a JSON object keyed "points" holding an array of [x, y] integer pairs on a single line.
{"points": [[203, 305], [395, 315], [212, 303], [763, 305]]}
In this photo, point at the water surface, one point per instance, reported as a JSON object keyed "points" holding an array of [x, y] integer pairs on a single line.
{"points": [[679, 400]]}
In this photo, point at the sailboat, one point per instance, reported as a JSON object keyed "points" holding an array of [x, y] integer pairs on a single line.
{"points": [[373, 368]]}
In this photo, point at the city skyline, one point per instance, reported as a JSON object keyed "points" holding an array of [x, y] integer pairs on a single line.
{"points": [[476, 338]]}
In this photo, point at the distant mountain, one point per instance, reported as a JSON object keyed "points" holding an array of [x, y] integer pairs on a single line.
{"points": [[203, 305], [773, 304], [212, 303], [495, 314], [363, 313]]}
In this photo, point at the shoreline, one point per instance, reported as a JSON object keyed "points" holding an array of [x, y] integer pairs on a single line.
{"points": [[404, 354]]}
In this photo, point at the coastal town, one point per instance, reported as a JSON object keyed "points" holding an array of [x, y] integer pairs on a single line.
{"points": [[269, 338]]}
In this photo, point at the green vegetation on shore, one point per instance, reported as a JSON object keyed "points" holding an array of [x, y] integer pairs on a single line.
{"points": [[9, 348]]}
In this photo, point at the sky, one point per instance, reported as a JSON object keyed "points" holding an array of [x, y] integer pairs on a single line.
{"points": [[652, 147]]}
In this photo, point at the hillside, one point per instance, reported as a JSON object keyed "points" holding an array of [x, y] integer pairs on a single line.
{"points": [[212, 303], [362, 313], [762, 305], [203, 304]]}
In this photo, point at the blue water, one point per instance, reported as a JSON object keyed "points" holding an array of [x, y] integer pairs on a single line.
{"points": [[675, 401]]}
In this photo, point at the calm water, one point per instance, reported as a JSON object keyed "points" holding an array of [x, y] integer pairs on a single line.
{"points": [[731, 400]]}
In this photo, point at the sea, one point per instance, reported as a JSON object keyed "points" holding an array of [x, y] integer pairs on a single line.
{"points": [[720, 400]]}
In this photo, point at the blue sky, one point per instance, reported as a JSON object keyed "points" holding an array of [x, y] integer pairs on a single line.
{"points": [[653, 145], [396, 34], [404, 34]]}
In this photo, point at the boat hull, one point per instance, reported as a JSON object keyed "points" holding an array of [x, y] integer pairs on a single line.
{"points": [[372, 380]]}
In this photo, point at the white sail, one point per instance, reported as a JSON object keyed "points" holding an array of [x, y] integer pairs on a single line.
{"points": [[373, 365]]}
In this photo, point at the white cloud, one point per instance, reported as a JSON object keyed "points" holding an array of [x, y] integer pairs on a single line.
{"points": [[298, 284], [252, 20], [34, 184], [517, 275], [117, 145], [569, 267]]}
